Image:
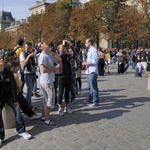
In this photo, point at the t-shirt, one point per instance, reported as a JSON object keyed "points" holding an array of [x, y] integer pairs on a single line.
{"points": [[107, 56], [18, 52], [48, 61], [143, 56]]}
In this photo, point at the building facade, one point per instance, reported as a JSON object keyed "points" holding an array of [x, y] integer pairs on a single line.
{"points": [[40, 7], [5, 20]]}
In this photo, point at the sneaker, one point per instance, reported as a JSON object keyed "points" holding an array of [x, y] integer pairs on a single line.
{"points": [[25, 135], [68, 110], [37, 95], [1, 142], [34, 117], [94, 105], [60, 112], [52, 124], [38, 89]]}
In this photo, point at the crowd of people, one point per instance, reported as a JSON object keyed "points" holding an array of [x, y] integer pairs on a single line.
{"points": [[60, 70]]}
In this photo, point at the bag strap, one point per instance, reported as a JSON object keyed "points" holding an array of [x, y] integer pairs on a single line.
{"points": [[17, 48]]}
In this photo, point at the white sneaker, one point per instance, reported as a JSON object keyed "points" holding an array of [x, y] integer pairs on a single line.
{"points": [[60, 112], [25, 135], [68, 110], [34, 117], [1, 142]]}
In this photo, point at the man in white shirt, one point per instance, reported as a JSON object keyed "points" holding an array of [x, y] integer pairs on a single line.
{"points": [[92, 72]]}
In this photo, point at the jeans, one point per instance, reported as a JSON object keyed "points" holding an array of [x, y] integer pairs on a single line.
{"points": [[20, 126], [92, 85], [30, 80]]}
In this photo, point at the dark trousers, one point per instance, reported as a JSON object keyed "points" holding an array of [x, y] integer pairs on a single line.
{"points": [[101, 64], [64, 88], [121, 68], [56, 86], [20, 126], [72, 89], [78, 82], [24, 105]]}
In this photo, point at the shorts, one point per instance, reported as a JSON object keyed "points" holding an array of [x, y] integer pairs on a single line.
{"points": [[48, 94], [106, 63], [144, 64]]}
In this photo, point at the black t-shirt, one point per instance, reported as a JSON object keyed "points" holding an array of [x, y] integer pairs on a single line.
{"points": [[143, 56]]}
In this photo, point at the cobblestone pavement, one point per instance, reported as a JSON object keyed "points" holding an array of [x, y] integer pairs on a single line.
{"points": [[121, 122]]}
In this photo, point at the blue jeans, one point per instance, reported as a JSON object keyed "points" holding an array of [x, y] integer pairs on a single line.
{"points": [[92, 85], [20, 126], [30, 80]]}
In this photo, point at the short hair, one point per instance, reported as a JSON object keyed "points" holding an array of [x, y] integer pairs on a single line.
{"points": [[90, 40], [20, 42], [15, 63], [29, 43]]}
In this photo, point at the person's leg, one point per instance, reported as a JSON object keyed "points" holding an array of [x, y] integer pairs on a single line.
{"points": [[89, 87], [20, 126], [2, 130], [46, 112], [55, 87], [24, 106], [94, 88], [30, 80], [67, 89], [61, 84], [72, 87]]}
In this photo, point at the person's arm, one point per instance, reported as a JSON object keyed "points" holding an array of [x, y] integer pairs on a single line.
{"points": [[57, 58], [44, 69], [94, 59], [14, 90], [25, 62]]}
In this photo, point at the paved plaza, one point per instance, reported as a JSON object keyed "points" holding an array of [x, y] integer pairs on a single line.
{"points": [[121, 122]]}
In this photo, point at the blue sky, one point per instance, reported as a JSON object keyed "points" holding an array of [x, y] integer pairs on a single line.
{"points": [[18, 8]]}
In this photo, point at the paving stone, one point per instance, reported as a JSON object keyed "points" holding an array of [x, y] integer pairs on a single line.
{"points": [[121, 122]]}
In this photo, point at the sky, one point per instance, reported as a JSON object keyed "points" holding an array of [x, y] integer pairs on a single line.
{"points": [[18, 8]]}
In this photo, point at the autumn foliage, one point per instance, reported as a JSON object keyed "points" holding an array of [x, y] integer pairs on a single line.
{"points": [[68, 19]]}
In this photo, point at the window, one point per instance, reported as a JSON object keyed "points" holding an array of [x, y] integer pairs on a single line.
{"points": [[42, 11]]}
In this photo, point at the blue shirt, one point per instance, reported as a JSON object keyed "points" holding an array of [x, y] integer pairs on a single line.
{"points": [[92, 56], [46, 60]]}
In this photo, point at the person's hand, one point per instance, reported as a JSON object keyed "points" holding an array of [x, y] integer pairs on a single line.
{"points": [[63, 42], [16, 104], [31, 55], [84, 63], [56, 68]]}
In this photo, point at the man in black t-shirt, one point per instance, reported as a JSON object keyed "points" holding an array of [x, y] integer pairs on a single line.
{"points": [[144, 60]]}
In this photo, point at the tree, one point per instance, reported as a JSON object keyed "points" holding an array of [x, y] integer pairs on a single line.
{"points": [[8, 40], [85, 23], [144, 6], [128, 25]]}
